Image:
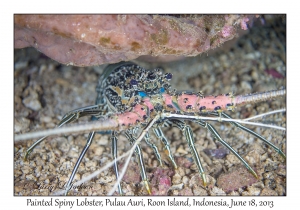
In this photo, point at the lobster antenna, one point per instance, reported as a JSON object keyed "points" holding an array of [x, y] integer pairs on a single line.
{"points": [[257, 97]]}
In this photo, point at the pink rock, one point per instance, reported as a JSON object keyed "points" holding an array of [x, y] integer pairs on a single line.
{"points": [[161, 181], [86, 40]]}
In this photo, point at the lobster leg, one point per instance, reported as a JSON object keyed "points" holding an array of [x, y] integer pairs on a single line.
{"points": [[210, 128], [154, 147], [187, 131], [253, 133], [68, 118], [140, 160], [86, 147], [114, 154], [158, 132]]}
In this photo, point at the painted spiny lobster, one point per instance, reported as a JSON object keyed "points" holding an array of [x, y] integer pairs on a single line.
{"points": [[132, 99]]}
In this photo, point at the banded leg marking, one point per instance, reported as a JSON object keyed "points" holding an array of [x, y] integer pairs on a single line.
{"points": [[158, 132], [154, 147], [187, 131], [214, 132], [85, 149], [114, 150], [140, 160], [68, 118], [190, 139], [254, 134]]}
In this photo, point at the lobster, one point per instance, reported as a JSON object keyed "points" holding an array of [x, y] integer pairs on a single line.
{"points": [[134, 99]]}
